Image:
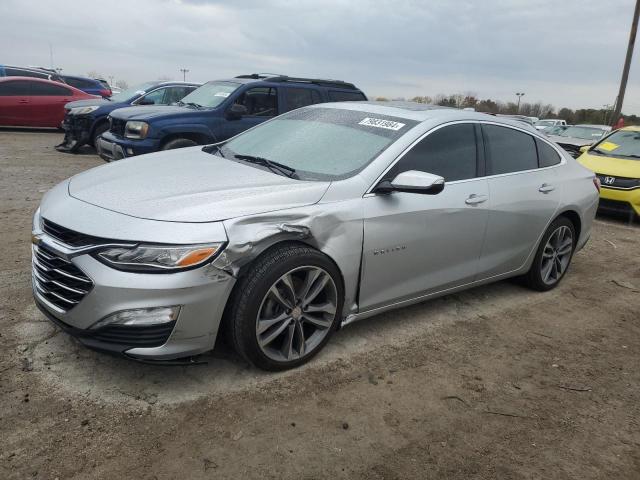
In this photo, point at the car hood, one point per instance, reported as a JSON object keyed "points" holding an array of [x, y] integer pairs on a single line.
{"points": [[614, 166], [148, 112], [189, 185]]}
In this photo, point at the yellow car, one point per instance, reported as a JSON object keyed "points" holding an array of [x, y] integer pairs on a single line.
{"points": [[616, 161]]}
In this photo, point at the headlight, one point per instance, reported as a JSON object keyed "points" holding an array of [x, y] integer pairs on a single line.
{"points": [[82, 110], [155, 258], [134, 129]]}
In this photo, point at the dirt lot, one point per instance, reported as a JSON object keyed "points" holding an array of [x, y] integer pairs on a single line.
{"points": [[497, 382]]}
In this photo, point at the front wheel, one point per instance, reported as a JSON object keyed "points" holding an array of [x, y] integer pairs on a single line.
{"points": [[553, 256], [286, 307]]}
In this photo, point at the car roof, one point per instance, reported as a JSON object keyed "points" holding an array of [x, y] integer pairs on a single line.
{"points": [[422, 112], [174, 82], [631, 128], [41, 80], [278, 80]]}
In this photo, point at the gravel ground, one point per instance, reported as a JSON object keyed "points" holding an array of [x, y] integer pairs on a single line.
{"points": [[496, 382]]}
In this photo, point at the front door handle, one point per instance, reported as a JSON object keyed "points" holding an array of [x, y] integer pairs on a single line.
{"points": [[475, 199], [23, 101], [546, 188]]}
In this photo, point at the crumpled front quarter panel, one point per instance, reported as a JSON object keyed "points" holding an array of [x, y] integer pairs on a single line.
{"points": [[335, 229]]}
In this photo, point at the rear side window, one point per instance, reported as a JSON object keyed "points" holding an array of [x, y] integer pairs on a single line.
{"points": [[48, 90], [338, 96], [547, 156], [449, 152], [301, 97], [509, 150], [13, 89]]}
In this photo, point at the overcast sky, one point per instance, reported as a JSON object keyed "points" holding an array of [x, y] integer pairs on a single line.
{"points": [[565, 52]]}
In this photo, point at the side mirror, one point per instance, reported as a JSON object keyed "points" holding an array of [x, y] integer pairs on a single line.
{"points": [[412, 181], [585, 148], [236, 112]]}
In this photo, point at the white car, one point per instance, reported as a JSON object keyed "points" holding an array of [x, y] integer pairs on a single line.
{"points": [[549, 122]]}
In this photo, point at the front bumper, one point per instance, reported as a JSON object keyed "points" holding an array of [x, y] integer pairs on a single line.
{"points": [[201, 293], [77, 132], [625, 201], [111, 147]]}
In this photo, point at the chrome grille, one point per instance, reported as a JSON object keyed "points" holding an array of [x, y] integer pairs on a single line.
{"points": [[117, 126], [68, 237], [57, 280]]}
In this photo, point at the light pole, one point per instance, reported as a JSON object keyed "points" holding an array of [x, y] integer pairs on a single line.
{"points": [[519, 94], [184, 74], [627, 64]]}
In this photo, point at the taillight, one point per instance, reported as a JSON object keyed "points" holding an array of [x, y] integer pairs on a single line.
{"points": [[105, 93], [596, 182]]}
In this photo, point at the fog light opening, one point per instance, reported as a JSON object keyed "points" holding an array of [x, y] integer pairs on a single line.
{"points": [[129, 151], [140, 317]]}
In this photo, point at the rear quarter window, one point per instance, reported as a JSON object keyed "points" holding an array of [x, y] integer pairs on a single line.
{"points": [[340, 96], [547, 156]]}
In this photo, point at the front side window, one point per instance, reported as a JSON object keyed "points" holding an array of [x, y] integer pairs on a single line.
{"points": [[155, 97], [321, 143], [211, 94], [547, 156], [449, 152], [18, 88], [260, 101], [509, 150]]}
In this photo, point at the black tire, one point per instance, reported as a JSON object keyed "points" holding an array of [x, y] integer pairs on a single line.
{"points": [[534, 277], [179, 143], [252, 289], [100, 129]]}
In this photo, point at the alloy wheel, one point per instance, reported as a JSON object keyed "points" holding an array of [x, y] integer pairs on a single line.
{"points": [[296, 313], [556, 255]]}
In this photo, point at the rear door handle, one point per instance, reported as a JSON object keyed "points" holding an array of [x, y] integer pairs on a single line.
{"points": [[546, 188], [475, 199], [23, 101]]}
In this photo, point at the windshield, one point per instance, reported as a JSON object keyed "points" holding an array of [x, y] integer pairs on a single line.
{"points": [[623, 143], [557, 130], [321, 143], [132, 93], [211, 94], [586, 133]]}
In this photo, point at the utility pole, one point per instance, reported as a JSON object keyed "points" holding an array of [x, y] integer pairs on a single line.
{"points": [[605, 114], [520, 94], [184, 72], [627, 65]]}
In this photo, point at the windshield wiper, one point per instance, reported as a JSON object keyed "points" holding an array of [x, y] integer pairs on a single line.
{"points": [[270, 164], [192, 104]]}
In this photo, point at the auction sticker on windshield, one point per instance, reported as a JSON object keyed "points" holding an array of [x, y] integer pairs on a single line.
{"points": [[380, 123], [608, 146], [222, 94]]}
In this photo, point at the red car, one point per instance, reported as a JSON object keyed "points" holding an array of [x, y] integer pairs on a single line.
{"points": [[35, 102]]}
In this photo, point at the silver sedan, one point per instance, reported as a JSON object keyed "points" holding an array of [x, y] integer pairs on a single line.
{"points": [[320, 217]]}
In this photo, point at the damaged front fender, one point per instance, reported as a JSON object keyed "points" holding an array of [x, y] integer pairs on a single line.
{"points": [[336, 229]]}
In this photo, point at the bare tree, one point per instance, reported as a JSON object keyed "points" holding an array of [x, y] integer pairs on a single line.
{"points": [[122, 84]]}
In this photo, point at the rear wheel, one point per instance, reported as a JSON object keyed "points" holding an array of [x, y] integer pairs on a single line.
{"points": [[179, 143], [286, 308], [553, 256], [100, 129]]}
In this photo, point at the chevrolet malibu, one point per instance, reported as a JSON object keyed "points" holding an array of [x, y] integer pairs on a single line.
{"points": [[320, 217]]}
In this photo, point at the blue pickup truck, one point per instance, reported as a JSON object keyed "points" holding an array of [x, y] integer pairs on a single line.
{"points": [[86, 120], [216, 111]]}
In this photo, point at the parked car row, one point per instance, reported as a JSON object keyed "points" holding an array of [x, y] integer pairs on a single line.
{"points": [[573, 137], [92, 86]]}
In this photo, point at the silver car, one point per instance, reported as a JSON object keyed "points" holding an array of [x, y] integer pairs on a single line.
{"points": [[320, 217]]}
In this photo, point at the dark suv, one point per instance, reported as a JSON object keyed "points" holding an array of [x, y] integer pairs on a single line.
{"points": [[86, 120], [215, 112]]}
